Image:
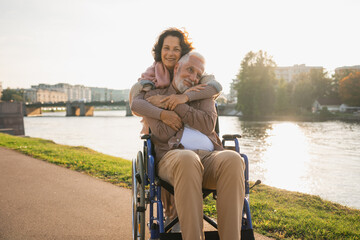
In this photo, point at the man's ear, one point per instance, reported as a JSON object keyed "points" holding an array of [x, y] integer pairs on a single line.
{"points": [[176, 68]]}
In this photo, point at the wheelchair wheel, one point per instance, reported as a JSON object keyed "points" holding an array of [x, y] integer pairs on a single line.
{"points": [[138, 197]]}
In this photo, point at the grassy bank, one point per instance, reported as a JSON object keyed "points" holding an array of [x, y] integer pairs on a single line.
{"points": [[283, 214], [276, 213]]}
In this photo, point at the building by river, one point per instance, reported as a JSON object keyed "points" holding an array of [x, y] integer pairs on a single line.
{"points": [[106, 95], [63, 92], [339, 70], [73, 92], [289, 73], [44, 95]]}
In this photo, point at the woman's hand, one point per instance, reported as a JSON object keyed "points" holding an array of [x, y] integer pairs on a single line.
{"points": [[156, 101], [170, 102], [171, 119], [197, 88]]}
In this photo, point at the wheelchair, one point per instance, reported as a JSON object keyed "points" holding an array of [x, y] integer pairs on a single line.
{"points": [[146, 193]]}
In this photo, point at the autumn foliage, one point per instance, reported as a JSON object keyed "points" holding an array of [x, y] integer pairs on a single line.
{"points": [[349, 89]]}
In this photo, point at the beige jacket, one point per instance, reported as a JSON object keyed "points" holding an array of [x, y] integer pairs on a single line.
{"points": [[200, 115]]}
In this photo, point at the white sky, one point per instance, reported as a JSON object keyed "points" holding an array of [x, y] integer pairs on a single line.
{"points": [[107, 43]]}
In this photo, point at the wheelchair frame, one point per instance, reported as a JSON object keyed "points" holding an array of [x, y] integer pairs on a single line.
{"points": [[146, 189]]}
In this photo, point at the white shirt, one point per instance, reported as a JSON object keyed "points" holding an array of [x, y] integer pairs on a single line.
{"points": [[193, 139]]}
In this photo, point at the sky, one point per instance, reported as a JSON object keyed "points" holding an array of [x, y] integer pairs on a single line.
{"points": [[107, 43]]}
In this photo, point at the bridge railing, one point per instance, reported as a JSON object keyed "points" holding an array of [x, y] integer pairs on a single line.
{"points": [[75, 108]]}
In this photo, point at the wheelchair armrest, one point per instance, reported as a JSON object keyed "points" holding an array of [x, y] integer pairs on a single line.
{"points": [[146, 136], [227, 137]]}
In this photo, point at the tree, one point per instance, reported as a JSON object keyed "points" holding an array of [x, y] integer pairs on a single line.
{"points": [[282, 105], [12, 95], [303, 93], [255, 85], [308, 87], [322, 84], [349, 89], [336, 78]]}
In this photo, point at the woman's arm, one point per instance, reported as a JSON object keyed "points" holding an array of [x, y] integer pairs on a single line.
{"points": [[144, 108], [211, 89], [208, 88]]}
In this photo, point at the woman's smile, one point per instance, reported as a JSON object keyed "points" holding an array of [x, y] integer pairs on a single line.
{"points": [[171, 52]]}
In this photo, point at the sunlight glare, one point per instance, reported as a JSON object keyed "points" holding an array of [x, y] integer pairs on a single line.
{"points": [[286, 157]]}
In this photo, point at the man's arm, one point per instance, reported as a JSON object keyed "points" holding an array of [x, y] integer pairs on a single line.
{"points": [[202, 119]]}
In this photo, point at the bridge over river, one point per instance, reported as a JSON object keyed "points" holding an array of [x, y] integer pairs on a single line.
{"points": [[79, 108], [76, 108]]}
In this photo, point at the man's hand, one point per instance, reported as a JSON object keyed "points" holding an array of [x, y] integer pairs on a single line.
{"points": [[171, 119], [170, 102], [156, 101]]}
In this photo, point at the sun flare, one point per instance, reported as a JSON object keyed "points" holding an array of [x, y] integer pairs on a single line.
{"points": [[286, 156]]}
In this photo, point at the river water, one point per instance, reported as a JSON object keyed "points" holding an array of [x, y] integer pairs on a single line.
{"points": [[320, 158]]}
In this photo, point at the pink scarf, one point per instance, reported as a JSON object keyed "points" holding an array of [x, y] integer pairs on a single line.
{"points": [[158, 74]]}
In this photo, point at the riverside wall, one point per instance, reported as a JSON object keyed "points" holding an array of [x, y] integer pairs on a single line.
{"points": [[11, 118]]}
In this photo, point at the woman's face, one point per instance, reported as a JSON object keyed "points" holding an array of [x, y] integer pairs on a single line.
{"points": [[170, 52]]}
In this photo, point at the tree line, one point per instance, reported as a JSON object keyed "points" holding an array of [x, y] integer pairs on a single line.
{"points": [[15, 95], [260, 93]]}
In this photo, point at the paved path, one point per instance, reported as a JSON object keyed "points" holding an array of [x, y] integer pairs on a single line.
{"points": [[39, 200]]}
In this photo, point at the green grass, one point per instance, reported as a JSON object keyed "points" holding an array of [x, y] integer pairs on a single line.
{"points": [[284, 214], [297, 215], [276, 213]]}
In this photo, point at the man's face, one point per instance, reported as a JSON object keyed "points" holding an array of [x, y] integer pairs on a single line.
{"points": [[188, 74]]}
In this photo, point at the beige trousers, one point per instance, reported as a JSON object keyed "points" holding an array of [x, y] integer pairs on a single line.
{"points": [[190, 171], [168, 204]]}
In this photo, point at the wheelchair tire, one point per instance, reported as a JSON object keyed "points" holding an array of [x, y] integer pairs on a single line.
{"points": [[138, 197]]}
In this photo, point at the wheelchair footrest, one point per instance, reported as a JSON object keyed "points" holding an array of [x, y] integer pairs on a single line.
{"points": [[210, 235]]}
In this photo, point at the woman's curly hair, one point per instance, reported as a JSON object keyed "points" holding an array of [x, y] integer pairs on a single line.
{"points": [[185, 44]]}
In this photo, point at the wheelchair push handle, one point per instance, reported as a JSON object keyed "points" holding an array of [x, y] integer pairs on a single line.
{"points": [[146, 136], [227, 137]]}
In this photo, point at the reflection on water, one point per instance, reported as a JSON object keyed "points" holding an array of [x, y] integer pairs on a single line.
{"points": [[285, 156], [320, 158]]}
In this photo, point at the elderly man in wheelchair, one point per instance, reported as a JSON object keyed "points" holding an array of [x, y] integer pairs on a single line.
{"points": [[188, 155]]}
